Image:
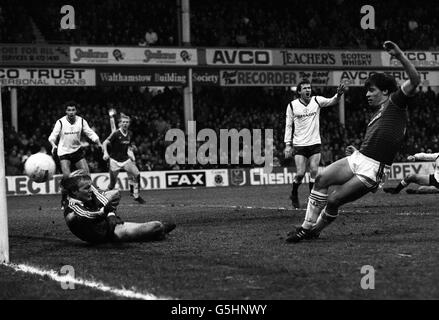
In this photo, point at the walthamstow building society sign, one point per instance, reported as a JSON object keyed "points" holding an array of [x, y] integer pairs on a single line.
{"points": [[141, 77]]}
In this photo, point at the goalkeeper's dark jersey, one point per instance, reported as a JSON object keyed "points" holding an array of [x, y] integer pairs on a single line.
{"points": [[88, 221], [385, 131], [119, 145]]}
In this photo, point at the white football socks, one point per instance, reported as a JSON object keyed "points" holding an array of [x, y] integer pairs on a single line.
{"points": [[324, 220], [316, 202]]}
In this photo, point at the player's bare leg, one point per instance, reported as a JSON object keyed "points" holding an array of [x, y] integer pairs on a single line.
{"points": [[148, 231], [300, 173], [82, 164], [423, 180], [314, 162], [65, 169], [348, 192], [336, 173], [130, 231], [113, 179], [134, 174]]}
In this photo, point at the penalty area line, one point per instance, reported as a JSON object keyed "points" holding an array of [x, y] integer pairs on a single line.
{"points": [[55, 276]]}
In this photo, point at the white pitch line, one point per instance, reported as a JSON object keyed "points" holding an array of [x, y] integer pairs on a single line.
{"points": [[344, 210], [126, 293], [417, 214], [194, 206]]}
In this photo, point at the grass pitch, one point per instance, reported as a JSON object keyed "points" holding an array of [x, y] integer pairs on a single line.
{"points": [[230, 244]]}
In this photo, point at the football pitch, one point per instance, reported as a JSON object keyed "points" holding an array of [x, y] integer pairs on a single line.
{"points": [[230, 244]]}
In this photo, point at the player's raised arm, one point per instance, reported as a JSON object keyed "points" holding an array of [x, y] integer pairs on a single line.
{"points": [[112, 113], [325, 102], [409, 86]]}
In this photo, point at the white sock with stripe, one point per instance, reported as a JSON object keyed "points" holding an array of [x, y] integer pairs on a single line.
{"points": [[316, 202], [325, 219]]}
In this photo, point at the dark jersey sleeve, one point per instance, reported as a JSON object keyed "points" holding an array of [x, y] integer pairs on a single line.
{"points": [[82, 212], [399, 98], [100, 197]]}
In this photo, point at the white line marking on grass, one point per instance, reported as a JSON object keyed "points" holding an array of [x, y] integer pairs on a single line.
{"points": [[358, 210], [417, 214], [53, 275], [194, 206], [404, 255]]}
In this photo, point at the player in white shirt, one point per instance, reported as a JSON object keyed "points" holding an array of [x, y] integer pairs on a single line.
{"points": [[69, 130], [304, 114], [421, 179]]}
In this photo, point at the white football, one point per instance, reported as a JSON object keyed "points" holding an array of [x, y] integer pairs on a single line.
{"points": [[40, 167]]}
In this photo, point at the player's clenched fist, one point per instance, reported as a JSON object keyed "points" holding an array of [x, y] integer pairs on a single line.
{"points": [[411, 158], [288, 152], [393, 49]]}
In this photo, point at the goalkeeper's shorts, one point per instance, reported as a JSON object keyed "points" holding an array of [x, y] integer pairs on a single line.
{"points": [[94, 231]]}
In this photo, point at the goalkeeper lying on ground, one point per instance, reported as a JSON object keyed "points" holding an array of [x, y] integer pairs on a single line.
{"points": [[91, 215]]}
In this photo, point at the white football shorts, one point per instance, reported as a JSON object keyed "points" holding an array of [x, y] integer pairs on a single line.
{"points": [[368, 170], [128, 165]]}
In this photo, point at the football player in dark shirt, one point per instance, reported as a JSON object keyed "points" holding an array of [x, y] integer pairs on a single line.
{"points": [[91, 215], [362, 171], [122, 157]]}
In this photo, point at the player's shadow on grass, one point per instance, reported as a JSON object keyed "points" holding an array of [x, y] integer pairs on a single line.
{"points": [[74, 243]]}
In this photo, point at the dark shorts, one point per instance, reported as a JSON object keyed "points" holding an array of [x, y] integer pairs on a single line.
{"points": [[75, 156], [93, 231], [433, 181], [307, 151]]}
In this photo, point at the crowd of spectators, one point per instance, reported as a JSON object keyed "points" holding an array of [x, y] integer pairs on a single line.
{"points": [[257, 23], [246, 23], [14, 23], [314, 24], [109, 22], [154, 112]]}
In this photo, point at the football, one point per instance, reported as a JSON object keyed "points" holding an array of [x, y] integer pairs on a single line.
{"points": [[40, 167]]}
